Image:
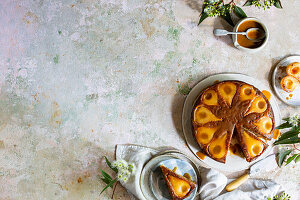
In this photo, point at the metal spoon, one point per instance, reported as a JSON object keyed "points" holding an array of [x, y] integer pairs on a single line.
{"points": [[222, 32]]}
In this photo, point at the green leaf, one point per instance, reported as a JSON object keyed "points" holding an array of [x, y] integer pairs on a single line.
{"points": [[297, 159], [277, 4], [282, 156], [106, 181], [292, 132], [228, 19], [239, 12], [292, 140], [227, 16], [109, 165], [105, 175], [284, 125], [108, 185], [289, 134], [203, 17], [286, 119], [248, 3], [290, 159]]}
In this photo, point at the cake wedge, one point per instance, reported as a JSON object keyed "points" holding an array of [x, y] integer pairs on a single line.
{"points": [[179, 186]]}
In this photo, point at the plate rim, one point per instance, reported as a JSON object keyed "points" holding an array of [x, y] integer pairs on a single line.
{"points": [[274, 80], [185, 131], [171, 156]]}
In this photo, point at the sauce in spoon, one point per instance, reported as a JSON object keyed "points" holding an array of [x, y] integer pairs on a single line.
{"points": [[244, 41]]}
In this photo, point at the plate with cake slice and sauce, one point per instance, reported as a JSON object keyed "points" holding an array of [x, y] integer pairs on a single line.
{"points": [[286, 80], [169, 176], [229, 121]]}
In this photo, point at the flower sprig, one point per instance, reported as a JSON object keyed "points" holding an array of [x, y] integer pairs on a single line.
{"points": [[215, 9], [123, 172], [218, 8], [294, 120], [284, 196], [292, 136], [265, 4]]}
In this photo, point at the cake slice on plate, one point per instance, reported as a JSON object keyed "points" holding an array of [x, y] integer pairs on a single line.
{"points": [[179, 186]]}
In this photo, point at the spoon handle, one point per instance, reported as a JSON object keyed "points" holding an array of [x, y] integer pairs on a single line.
{"points": [[221, 32], [237, 33]]}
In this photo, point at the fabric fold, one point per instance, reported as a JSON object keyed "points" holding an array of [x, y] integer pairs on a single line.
{"points": [[212, 184]]}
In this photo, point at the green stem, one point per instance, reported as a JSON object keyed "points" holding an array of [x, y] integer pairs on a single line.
{"points": [[108, 185]]}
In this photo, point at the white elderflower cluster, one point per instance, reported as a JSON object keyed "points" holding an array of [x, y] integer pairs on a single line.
{"points": [[216, 8], [125, 169], [294, 120]]}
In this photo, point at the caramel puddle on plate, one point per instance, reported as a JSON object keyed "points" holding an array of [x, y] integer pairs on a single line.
{"points": [[276, 134], [200, 155], [187, 175], [287, 98], [175, 169], [291, 95], [267, 94]]}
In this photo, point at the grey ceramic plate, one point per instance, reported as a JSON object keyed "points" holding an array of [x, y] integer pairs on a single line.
{"points": [[233, 163], [153, 184], [292, 98]]}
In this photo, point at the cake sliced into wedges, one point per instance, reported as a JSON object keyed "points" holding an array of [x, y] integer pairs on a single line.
{"points": [[232, 109], [179, 186]]}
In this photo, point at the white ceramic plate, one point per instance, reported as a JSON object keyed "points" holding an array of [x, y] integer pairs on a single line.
{"points": [[153, 184], [292, 98], [233, 163]]}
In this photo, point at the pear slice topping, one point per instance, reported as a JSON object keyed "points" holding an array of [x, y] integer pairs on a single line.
{"points": [[180, 186], [254, 146], [264, 124], [202, 115], [217, 148], [247, 93], [227, 92], [210, 97], [205, 134], [259, 105]]}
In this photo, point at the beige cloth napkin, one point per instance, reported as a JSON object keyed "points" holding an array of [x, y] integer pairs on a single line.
{"points": [[212, 181]]}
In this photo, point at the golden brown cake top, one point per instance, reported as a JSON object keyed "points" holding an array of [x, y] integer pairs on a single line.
{"points": [[230, 105]]}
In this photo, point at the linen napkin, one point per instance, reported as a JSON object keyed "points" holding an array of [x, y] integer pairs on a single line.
{"points": [[212, 181], [213, 187]]}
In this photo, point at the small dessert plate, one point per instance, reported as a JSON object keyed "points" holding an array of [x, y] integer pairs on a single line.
{"points": [[290, 98], [233, 163], [153, 184]]}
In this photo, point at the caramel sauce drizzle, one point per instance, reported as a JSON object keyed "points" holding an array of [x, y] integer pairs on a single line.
{"points": [[187, 175], [267, 94], [276, 134], [175, 169], [200, 155]]}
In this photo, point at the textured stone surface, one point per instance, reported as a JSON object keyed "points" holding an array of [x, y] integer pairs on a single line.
{"points": [[78, 77]]}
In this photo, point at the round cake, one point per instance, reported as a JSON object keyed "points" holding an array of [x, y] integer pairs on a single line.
{"points": [[232, 109]]}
